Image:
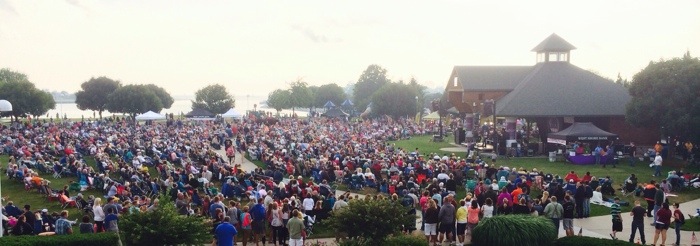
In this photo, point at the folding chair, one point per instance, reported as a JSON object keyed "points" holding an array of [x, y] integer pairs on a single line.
{"points": [[67, 202], [57, 171]]}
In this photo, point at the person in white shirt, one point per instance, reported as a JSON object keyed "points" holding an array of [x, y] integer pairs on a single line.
{"points": [[308, 204], [487, 209]]}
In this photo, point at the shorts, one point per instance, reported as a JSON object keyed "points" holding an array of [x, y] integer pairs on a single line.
{"points": [[660, 226], [617, 225], [568, 224], [461, 228], [430, 229], [258, 226], [447, 228]]}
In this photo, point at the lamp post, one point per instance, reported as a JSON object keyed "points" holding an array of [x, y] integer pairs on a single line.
{"points": [[5, 106]]}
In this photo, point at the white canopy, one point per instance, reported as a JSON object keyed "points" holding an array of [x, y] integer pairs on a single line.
{"points": [[150, 115], [232, 113]]}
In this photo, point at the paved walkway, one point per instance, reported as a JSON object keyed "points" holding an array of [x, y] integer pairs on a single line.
{"points": [[599, 226]]}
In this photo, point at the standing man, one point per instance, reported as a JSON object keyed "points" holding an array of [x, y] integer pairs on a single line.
{"points": [[633, 154], [657, 164], [616, 218], [596, 153], [579, 197], [568, 221], [637, 214], [649, 192], [257, 214], [63, 226], [554, 211], [447, 216], [659, 198], [295, 227], [225, 233], [587, 200]]}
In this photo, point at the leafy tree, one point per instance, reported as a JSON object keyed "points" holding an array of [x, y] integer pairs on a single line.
{"points": [[134, 99], [329, 92], [279, 99], [164, 226], [300, 95], [623, 82], [162, 94], [214, 98], [26, 99], [371, 80], [396, 100], [665, 94], [371, 220], [94, 93]]}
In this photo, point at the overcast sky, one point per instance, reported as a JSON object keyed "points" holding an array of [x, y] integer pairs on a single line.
{"points": [[254, 47]]}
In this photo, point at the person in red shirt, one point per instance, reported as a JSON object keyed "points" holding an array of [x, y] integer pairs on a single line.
{"points": [[587, 177], [571, 176]]}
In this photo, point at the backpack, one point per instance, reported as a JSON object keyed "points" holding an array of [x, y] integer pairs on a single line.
{"points": [[681, 218], [246, 220]]}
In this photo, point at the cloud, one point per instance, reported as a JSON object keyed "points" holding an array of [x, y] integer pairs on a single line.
{"points": [[4, 5], [311, 34]]}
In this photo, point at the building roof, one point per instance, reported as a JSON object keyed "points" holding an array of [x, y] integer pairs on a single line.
{"points": [[561, 89], [553, 43], [477, 78]]}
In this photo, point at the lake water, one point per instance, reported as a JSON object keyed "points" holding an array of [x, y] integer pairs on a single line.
{"points": [[243, 104]]}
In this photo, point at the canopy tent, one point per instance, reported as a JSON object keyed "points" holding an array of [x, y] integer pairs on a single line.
{"points": [[347, 103], [432, 116], [150, 115], [580, 131], [232, 113], [200, 114], [329, 104], [334, 113]]}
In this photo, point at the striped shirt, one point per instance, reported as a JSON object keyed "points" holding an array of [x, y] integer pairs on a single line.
{"points": [[615, 211]]}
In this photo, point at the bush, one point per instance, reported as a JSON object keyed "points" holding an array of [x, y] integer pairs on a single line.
{"points": [[690, 224], [402, 240], [164, 226], [372, 220], [101, 239], [520, 230], [586, 241]]}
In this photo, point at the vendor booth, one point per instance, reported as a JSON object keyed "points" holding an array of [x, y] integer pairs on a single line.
{"points": [[582, 132]]}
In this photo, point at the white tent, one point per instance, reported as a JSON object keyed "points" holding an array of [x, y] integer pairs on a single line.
{"points": [[232, 113], [150, 115]]}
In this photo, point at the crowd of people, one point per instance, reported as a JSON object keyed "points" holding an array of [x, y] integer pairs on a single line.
{"points": [[194, 163]]}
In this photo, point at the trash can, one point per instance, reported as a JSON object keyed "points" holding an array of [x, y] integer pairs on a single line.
{"points": [[552, 156]]}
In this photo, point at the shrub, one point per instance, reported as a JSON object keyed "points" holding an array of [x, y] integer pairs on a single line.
{"points": [[690, 224], [372, 220], [402, 240], [586, 241], [164, 226], [519, 230], [101, 239]]}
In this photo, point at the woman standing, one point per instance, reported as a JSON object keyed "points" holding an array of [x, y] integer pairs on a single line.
{"points": [[286, 210], [276, 223], [663, 220], [431, 220], [473, 217], [487, 209], [99, 215], [505, 209], [461, 220], [678, 218]]}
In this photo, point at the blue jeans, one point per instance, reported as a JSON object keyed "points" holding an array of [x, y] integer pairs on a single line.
{"points": [[586, 207], [597, 159], [656, 209], [632, 161], [678, 233], [556, 224], [638, 226], [657, 171]]}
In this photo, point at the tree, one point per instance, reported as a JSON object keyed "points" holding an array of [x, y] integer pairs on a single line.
{"points": [[329, 92], [396, 100], [164, 226], [665, 95], [279, 99], [134, 99], [623, 82], [371, 220], [371, 80], [162, 94], [26, 99], [300, 95], [94, 93], [214, 98]]}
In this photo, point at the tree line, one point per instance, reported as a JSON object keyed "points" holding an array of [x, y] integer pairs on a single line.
{"points": [[26, 99], [393, 98]]}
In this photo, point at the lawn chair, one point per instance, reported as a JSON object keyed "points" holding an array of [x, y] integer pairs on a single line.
{"points": [[67, 202], [57, 171]]}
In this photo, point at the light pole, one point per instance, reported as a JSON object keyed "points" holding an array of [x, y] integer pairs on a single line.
{"points": [[5, 106]]}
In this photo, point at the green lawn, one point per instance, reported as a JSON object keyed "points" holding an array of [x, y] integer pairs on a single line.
{"points": [[690, 224]]}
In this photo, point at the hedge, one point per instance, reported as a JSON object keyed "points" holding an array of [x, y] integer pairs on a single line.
{"points": [[100, 239], [587, 241], [523, 230], [401, 240]]}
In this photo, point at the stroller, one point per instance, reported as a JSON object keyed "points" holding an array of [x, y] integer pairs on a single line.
{"points": [[308, 225]]}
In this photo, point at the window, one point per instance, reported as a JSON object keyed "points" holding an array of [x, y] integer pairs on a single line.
{"points": [[455, 82]]}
